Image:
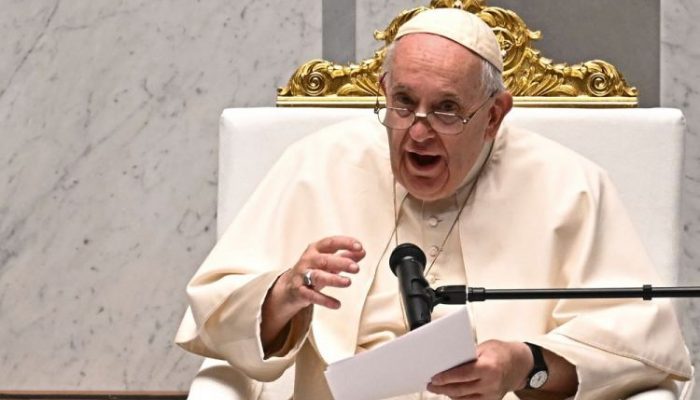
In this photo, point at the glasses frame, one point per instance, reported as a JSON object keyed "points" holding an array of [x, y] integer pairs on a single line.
{"points": [[416, 116]]}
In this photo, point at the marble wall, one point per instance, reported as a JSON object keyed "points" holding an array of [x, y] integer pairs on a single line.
{"points": [[680, 88], [376, 15], [108, 123]]}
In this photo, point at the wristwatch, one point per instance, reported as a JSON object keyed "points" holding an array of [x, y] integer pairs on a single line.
{"points": [[539, 374]]}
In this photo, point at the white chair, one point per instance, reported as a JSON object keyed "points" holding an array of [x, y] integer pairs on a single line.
{"points": [[640, 148]]}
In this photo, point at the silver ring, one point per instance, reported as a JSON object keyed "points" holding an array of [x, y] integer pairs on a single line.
{"points": [[308, 282]]}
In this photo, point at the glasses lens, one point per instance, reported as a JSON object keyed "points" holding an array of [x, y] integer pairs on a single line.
{"points": [[396, 118], [401, 118], [448, 124]]}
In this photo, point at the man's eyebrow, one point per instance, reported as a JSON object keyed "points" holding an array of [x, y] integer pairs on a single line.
{"points": [[402, 88], [452, 96], [447, 95]]}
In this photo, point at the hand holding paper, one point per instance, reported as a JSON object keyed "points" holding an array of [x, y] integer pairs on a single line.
{"points": [[407, 364]]}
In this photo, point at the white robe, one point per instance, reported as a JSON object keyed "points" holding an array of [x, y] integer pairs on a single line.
{"points": [[541, 216]]}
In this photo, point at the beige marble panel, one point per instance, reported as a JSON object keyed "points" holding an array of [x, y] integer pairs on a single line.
{"points": [[376, 15], [109, 120], [680, 88]]}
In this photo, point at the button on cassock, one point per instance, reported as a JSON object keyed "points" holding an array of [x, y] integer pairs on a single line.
{"points": [[433, 252], [433, 221]]}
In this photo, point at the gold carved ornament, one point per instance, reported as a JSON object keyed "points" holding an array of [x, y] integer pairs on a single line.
{"points": [[533, 80]]}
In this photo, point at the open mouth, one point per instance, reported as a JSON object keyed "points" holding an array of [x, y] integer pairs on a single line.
{"points": [[423, 160]]}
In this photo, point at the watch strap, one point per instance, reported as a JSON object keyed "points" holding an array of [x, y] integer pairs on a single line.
{"points": [[539, 368]]}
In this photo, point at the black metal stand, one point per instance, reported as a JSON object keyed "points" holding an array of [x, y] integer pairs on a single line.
{"points": [[460, 294]]}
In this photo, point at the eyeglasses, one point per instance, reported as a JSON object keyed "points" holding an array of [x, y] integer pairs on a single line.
{"points": [[441, 122]]}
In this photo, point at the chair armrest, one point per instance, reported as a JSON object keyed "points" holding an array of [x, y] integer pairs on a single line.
{"points": [[654, 394], [218, 380]]}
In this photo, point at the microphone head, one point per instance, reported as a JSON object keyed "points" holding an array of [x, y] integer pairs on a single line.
{"points": [[405, 250]]}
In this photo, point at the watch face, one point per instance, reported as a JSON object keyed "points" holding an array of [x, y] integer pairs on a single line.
{"points": [[538, 379]]}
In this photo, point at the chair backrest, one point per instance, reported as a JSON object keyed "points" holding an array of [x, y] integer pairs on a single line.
{"points": [[640, 148]]}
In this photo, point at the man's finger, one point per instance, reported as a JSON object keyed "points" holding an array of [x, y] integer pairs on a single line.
{"points": [[334, 264], [321, 299], [334, 243], [455, 390], [461, 373], [321, 279], [353, 255]]}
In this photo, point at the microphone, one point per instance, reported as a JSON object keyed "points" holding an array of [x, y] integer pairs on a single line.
{"points": [[407, 262]]}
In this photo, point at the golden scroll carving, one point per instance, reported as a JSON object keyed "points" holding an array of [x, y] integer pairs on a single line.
{"points": [[532, 79]]}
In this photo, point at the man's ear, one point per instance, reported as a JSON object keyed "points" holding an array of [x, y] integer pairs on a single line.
{"points": [[503, 102]]}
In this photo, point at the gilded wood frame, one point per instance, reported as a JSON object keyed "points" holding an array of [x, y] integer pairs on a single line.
{"points": [[534, 81]]}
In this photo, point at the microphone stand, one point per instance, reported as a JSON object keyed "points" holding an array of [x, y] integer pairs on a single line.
{"points": [[460, 294], [407, 262]]}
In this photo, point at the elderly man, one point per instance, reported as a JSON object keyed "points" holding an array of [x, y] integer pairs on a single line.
{"points": [[495, 206]]}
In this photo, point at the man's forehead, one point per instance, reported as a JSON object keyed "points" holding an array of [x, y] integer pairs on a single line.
{"points": [[451, 70]]}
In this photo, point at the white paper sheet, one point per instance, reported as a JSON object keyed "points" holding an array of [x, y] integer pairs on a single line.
{"points": [[406, 364]]}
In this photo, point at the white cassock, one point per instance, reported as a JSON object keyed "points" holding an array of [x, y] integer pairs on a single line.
{"points": [[540, 216]]}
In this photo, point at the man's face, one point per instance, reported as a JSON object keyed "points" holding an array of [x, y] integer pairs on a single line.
{"points": [[431, 73]]}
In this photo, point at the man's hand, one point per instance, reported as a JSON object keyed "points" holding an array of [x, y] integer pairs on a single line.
{"points": [[324, 260], [500, 367]]}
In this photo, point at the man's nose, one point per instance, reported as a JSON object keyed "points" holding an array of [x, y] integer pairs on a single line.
{"points": [[421, 130]]}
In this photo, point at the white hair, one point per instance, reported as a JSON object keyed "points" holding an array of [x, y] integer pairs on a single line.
{"points": [[491, 77]]}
